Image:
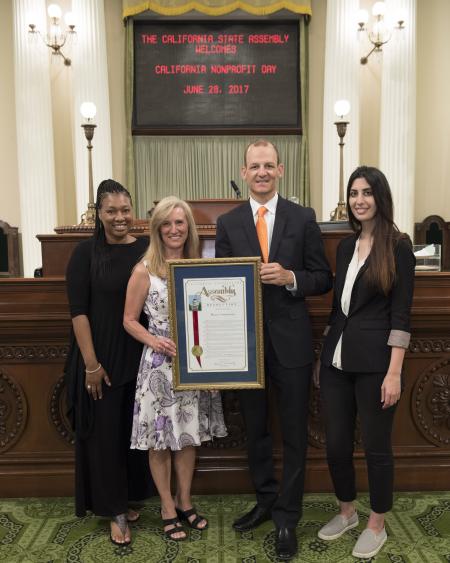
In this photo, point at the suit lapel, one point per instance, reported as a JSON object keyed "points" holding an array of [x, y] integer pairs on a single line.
{"points": [[278, 228], [347, 255], [355, 301], [248, 223], [362, 269], [359, 293]]}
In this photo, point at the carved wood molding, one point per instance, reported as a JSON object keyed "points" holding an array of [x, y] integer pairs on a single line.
{"points": [[430, 403], [37, 352], [316, 425], [58, 412], [136, 228], [13, 412], [430, 345], [236, 438]]}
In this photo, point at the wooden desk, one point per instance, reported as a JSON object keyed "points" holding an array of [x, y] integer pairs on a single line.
{"points": [[57, 248], [36, 452], [36, 443]]}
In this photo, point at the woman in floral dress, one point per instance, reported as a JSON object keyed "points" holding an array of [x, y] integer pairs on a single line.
{"points": [[165, 420]]}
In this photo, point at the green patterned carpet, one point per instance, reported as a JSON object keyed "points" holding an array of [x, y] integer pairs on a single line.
{"points": [[45, 530]]}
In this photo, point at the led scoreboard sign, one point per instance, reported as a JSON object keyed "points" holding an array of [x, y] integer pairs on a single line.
{"points": [[210, 76]]}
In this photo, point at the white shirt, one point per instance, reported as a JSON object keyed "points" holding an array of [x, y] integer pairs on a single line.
{"points": [[353, 269], [271, 207]]}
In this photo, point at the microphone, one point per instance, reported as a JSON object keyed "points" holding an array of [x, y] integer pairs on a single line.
{"points": [[236, 190]]}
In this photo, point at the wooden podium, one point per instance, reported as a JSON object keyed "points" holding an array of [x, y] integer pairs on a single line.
{"points": [[57, 248], [36, 442]]}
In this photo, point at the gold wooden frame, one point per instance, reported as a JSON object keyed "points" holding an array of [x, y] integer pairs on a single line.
{"points": [[253, 378]]}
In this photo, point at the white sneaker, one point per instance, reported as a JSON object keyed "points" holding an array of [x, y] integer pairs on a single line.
{"points": [[338, 526], [369, 544]]}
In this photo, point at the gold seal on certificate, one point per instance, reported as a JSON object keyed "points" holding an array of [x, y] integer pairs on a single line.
{"points": [[197, 351]]}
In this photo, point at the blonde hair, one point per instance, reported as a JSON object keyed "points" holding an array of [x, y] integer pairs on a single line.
{"points": [[155, 258]]}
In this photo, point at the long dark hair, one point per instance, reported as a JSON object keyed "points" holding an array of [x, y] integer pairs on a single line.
{"points": [[100, 249], [381, 266]]}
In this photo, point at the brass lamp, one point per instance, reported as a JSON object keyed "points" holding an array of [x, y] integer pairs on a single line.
{"points": [[341, 108], [381, 30], [88, 111], [56, 38]]}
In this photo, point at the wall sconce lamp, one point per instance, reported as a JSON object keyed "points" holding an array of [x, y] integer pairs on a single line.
{"points": [[341, 109], [56, 39], [380, 32], [88, 111]]}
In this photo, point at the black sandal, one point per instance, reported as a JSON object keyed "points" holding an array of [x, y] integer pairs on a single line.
{"points": [[175, 530], [122, 523], [184, 515]]}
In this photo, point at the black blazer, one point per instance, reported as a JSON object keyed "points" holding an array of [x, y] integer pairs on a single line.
{"points": [[372, 315], [296, 245]]}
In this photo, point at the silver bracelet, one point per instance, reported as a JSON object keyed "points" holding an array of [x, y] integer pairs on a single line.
{"points": [[94, 370]]}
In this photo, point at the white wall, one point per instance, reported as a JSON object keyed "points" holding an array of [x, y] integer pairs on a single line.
{"points": [[433, 111]]}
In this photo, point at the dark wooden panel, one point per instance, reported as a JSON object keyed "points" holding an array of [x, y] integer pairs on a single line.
{"points": [[434, 229], [36, 455], [9, 247]]}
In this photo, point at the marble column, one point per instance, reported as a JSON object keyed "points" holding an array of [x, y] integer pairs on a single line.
{"points": [[90, 84], [34, 132], [398, 114], [341, 82]]}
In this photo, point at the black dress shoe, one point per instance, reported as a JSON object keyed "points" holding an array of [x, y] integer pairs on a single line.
{"points": [[256, 516], [285, 543]]}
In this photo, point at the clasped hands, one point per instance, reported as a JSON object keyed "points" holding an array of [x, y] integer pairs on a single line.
{"points": [[274, 274]]}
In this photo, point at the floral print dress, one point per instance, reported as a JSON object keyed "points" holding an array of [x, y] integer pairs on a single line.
{"points": [[164, 418]]}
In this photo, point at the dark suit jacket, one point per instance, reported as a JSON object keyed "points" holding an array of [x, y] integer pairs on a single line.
{"points": [[296, 245], [372, 315]]}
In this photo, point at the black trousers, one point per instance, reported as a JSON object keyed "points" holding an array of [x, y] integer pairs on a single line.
{"points": [[107, 473], [344, 394], [292, 386]]}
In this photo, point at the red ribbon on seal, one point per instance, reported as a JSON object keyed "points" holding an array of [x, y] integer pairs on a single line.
{"points": [[196, 337]]}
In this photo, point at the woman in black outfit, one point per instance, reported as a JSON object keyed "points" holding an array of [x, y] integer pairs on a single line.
{"points": [[102, 366], [362, 357]]}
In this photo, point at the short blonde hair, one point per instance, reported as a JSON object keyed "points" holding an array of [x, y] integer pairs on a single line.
{"points": [[155, 258]]}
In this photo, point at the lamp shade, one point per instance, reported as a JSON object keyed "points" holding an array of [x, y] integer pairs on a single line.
{"points": [[379, 9], [88, 110], [362, 17], [70, 19], [54, 11], [402, 15], [341, 108]]}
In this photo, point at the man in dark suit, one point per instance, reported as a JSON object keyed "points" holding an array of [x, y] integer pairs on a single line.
{"points": [[294, 266]]}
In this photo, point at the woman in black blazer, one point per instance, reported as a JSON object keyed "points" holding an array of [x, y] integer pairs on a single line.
{"points": [[362, 357]]}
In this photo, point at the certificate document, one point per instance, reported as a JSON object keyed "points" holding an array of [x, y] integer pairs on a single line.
{"points": [[216, 321], [215, 314]]}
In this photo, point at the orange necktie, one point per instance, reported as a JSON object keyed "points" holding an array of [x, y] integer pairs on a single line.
{"points": [[261, 231]]}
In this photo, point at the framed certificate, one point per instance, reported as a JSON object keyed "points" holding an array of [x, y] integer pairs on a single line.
{"points": [[215, 313]]}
